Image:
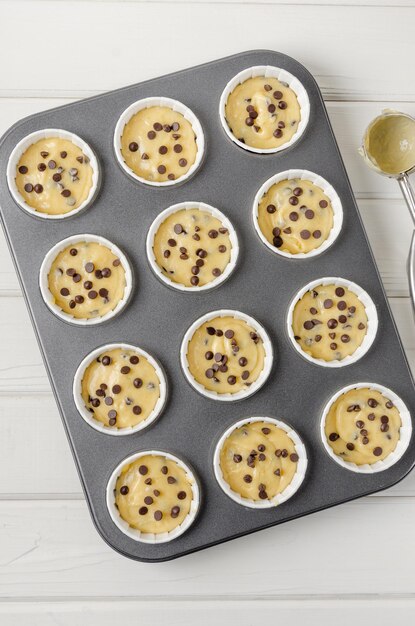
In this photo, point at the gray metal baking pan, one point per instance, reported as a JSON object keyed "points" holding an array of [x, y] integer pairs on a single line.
{"points": [[157, 317]]}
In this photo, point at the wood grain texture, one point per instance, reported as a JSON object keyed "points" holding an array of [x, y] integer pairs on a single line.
{"points": [[324, 612], [347, 50], [51, 550]]}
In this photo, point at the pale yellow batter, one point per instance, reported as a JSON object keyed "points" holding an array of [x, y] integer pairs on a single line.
{"points": [[390, 143], [120, 388], [153, 494], [295, 216], [192, 247], [225, 355], [258, 460], [87, 280], [159, 144], [54, 176], [329, 322], [362, 426], [263, 112]]}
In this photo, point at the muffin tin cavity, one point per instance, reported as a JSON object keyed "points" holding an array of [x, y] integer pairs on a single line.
{"points": [[159, 141], [226, 355], [192, 246], [53, 174], [120, 389], [260, 462], [153, 497]]}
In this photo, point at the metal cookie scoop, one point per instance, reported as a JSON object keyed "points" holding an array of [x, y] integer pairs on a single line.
{"points": [[389, 148]]}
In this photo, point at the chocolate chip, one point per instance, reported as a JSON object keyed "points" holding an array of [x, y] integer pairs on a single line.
{"points": [[277, 133], [143, 469], [293, 200], [124, 490], [106, 360], [177, 148], [112, 415], [294, 457], [332, 323], [125, 369], [92, 294], [38, 188], [158, 515], [161, 169], [309, 214], [377, 451], [328, 303], [51, 165], [194, 281], [79, 299], [222, 248], [143, 510], [350, 446], [389, 404], [134, 359], [182, 162], [151, 134], [109, 401], [163, 150], [271, 108], [28, 188], [339, 292], [361, 326], [231, 380], [323, 204], [89, 267], [266, 430], [23, 169], [247, 478], [133, 146], [282, 104], [56, 177], [41, 167], [175, 126], [345, 338], [175, 511], [317, 234], [277, 95], [65, 193], [182, 495], [293, 216], [271, 208], [305, 234], [171, 480], [237, 458], [137, 409], [64, 291], [64, 154], [342, 305], [333, 436], [384, 428], [88, 284]]}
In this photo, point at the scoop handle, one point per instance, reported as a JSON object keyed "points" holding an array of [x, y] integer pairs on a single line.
{"points": [[409, 195]]}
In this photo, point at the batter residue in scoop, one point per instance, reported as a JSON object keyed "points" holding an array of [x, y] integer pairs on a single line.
{"points": [[225, 355], [54, 176], [362, 426], [153, 494], [192, 247], [329, 322], [258, 460], [120, 388], [87, 280], [159, 144], [295, 216], [263, 112]]}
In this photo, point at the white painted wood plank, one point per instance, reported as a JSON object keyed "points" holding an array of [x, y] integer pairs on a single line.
{"points": [[50, 549], [312, 612], [115, 43]]}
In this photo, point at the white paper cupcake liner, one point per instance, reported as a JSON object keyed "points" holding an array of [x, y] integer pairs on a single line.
{"points": [[268, 71], [24, 144], [48, 297], [372, 320], [89, 417], [153, 538], [268, 360], [317, 180], [405, 431], [289, 491], [202, 207], [175, 105]]}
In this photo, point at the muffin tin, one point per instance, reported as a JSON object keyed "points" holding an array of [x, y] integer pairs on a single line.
{"points": [[262, 285]]}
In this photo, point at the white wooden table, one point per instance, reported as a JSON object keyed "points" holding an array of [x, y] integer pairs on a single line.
{"points": [[352, 563]]}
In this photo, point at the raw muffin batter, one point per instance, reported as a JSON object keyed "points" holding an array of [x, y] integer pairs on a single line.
{"points": [[225, 355], [159, 144], [120, 388], [329, 322], [295, 216], [54, 176], [153, 494], [263, 112], [192, 247], [87, 280], [363, 426], [258, 460]]}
